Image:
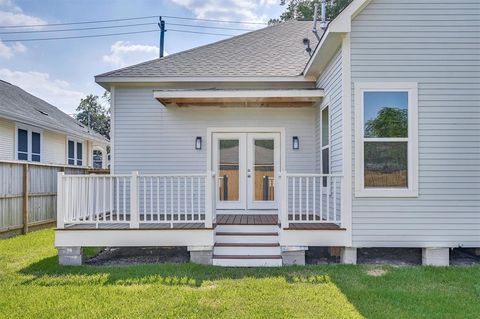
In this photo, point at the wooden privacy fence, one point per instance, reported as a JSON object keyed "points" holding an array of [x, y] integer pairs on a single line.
{"points": [[28, 194]]}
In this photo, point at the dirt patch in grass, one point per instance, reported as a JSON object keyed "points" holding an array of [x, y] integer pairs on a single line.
{"points": [[377, 272], [126, 256]]}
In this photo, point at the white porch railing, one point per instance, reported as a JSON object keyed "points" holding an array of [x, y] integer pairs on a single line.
{"points": [[134, 199], [311, 198], [184, 198]]}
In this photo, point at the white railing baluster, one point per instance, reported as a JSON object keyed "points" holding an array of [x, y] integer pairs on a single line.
{"points": [[334, 179], [328, 199], [300, 197], [151, 198], [307, 213], [191, 200], [314, 193], [165, 199], [293, 198], [185, 198], [158, 198], [199, 190]]}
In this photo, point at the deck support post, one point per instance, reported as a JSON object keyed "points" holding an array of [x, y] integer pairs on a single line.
{"points": [[348, 255], [284, 200], [201, 254], [435, 256], [209, 200], [25, 208], [70, 256], [134, 223], [60, 201], [477, 252]]}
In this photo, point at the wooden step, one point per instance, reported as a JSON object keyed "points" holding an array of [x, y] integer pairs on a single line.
{"points": [[247, 244], [247, 257], [223, 233]]}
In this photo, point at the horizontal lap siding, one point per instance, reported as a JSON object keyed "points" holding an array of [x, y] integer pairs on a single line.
{"points": [[151, 138], [437, 45], [7, 139], [331, 82], [54, 148]]}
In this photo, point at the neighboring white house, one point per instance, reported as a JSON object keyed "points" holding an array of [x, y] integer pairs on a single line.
{"points": [[36, 131], [250, 150]]}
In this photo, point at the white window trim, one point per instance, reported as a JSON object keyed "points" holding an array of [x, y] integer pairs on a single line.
{"points": [[76, 140], [322, 147], [29, 129], [412, 148]]}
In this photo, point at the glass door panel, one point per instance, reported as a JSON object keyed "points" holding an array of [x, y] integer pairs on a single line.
{"points": [[229, 170], [229, 161], [263, 166], [264, 170]]}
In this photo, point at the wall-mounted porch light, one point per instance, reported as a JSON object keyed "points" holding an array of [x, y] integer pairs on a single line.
{"points": [[198, 143], [296, 143]]}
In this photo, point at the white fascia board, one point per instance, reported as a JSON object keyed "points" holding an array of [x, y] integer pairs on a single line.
{"points": [[166, 79], [170, 94]]}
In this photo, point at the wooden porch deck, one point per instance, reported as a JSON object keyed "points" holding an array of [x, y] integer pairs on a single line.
{"points": [[158, 223]]}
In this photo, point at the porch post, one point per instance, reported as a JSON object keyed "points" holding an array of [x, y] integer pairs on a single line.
{"points": [[134, 200], [284, 201], [208, 201], [60, 208]]}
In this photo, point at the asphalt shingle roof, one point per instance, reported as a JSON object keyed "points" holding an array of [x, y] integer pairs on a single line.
{"points": [[276, 50], [20, 105]]}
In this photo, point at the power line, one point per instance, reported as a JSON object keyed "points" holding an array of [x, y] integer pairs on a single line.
{"points": [[113, 34], [207, 27], [198, 32], [121, 26], [129, 19], [79, 29], [79, 36]]}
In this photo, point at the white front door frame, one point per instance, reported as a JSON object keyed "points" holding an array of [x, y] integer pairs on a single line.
{"points": [[210, 157]]}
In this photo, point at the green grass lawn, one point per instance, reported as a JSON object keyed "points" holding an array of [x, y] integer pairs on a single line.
{"points": [[33, 285]]}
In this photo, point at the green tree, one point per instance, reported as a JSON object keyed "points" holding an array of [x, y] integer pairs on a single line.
{"points": [[92, 113], [389, 122], [303, 9]]}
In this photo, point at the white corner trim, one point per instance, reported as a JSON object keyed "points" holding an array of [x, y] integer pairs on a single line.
{"points": [[112, 132], [412, 89], [347, 150]]}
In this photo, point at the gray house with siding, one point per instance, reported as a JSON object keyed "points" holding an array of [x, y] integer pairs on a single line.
{"points": [[251, 150]]}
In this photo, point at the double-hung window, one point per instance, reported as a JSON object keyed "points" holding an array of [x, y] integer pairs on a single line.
{"points": [[74, 152], [386, 139], [29, 143]]}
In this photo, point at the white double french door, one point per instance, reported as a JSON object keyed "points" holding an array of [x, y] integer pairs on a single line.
{"points": [[246, 167]]}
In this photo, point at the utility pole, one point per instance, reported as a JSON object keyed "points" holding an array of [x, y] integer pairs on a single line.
{"points": [[161, 24]]}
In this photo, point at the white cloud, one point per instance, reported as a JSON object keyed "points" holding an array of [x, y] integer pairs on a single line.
{"points": [[6, 52], [244, 10], [123, 53], [11, 14], [56, 92], [14, 16]]}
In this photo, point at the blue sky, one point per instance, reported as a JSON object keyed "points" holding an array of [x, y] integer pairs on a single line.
{"points": [[61, 72]]}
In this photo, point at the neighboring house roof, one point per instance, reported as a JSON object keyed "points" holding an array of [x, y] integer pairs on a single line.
{"points": [[19, 105], [276, 50]]}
